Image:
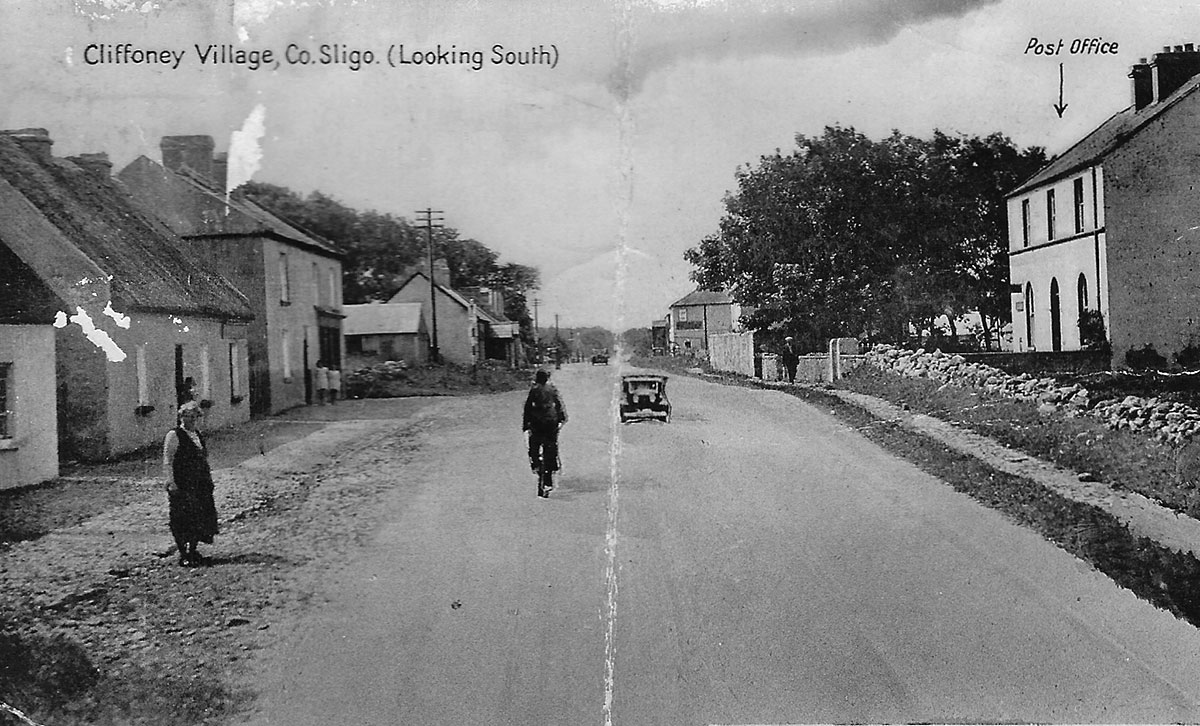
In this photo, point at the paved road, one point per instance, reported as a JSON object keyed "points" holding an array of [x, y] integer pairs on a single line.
{"points": [[753, 561]]}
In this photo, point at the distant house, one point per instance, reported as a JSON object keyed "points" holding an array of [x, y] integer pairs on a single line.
{"points": [[660, 335], [139, 321], [292, 278], [500, 335], [1108, 228], [383, 332], [700, 314], [457, 332]]}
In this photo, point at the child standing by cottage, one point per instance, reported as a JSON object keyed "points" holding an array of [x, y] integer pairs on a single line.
{"points": [[335, 383], [321, 381]]}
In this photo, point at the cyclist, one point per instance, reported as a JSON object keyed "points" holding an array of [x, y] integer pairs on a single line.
{"points": [[544, 415]]}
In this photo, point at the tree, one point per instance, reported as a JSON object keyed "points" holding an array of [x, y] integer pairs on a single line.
{"points": [[849, 236]]}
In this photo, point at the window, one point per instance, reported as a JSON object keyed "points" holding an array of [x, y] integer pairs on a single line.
{"points": [[333, 289], [6, 400], [205, 374], [1078, 205], [235, 373], [316, 284], [143, 381], [285, 285], [1029, 317], [1050, 214], [1024, 222], [287, 355], [1083, 293], [683, 315]]}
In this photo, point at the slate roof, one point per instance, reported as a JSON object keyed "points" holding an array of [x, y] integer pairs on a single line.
{"points": [[1106, 138], [382, 319], [194, 207], [98, 229], [703, 297]]}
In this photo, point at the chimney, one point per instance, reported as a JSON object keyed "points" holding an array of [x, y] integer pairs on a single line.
{"points": [[35, 142], [1143, 85], [441, 272], [220, 169], [97, 164], [193, 152], [1172, 68]]}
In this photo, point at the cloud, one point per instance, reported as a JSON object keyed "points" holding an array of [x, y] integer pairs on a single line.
{"points": [[654, 37]]}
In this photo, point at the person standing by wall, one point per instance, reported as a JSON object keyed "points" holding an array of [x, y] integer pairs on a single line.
{"points": [[189, 484], [789, 355]]}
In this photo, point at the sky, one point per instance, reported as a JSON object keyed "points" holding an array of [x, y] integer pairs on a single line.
{"points": [[601, 163]]}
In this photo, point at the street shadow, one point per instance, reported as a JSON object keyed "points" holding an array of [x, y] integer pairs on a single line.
{"points": [[582, 485], [247, 558]]}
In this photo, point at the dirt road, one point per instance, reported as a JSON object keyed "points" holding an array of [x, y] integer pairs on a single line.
{"points": [[753, 561]]}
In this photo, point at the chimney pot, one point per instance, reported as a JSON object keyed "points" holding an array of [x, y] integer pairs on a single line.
{"points": [[36, 142], [220, 169], [94, 163], [1189, 47], [193, 152]]}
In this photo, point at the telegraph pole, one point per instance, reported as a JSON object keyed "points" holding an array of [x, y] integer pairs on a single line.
{"points": [[427, 217], [537, 343], [557, 342]]}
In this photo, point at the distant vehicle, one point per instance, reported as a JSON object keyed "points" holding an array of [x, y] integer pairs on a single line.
{"points": [[644, 397], [600, 357]]}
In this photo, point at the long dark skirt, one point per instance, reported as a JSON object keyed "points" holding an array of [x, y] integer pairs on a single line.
{"points": [[193, 516]]}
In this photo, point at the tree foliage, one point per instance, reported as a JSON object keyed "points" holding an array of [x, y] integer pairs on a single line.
{"points": [[851, 236], [381, 249]]}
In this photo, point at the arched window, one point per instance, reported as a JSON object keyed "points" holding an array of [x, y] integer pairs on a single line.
{"points": [[1083, 293], [1055, 316], [1029, 317]]}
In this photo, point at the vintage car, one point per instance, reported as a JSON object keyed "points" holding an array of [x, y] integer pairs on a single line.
{"points": [[644, 397], [600, 357]]}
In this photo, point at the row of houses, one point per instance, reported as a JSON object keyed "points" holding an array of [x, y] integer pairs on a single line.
{"points": [[124, 294]]}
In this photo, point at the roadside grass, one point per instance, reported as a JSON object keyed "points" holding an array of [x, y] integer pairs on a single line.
{"points": [[1121, 459], [1164, 577]]}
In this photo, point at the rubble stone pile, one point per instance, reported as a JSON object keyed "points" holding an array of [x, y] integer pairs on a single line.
{"points": [[1165, 421]]}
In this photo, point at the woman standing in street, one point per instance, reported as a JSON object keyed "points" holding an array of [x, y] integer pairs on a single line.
{"points": [[189, 486]]}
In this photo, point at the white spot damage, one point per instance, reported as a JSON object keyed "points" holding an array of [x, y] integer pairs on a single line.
{"points": [[60, 319], [98, 337], [109, 9], [19, 714], [69, 56], [120, 319], [245, 153]]}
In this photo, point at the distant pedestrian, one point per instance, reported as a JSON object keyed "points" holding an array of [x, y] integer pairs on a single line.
{"points": [[335, 383], [321, 381], [789, 355], [193, 513]]}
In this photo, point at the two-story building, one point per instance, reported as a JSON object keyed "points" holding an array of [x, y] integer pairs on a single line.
{"points": [[292, 278], [699, 314], [1107, 230], [137, 321]]}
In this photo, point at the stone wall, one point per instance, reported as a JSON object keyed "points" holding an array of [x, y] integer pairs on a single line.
{"points": [[1169, 422]]}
